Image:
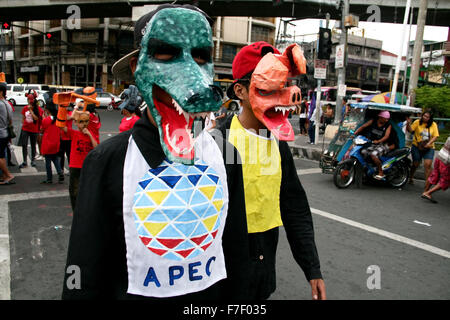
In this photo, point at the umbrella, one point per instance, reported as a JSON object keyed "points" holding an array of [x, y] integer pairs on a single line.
{"points": [[385, 97], [400, 98], [379, 98]]}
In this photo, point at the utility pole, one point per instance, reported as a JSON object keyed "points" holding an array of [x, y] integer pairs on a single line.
{"points": [[418, 43], [399, 56], [3, 54], [407, 53], [341, 72]]}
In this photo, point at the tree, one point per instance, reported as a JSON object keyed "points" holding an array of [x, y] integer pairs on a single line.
{"points": [[434, 98]]}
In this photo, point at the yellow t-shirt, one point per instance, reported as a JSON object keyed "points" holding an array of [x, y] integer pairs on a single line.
{"points": [[421, 132], [261, 169]]}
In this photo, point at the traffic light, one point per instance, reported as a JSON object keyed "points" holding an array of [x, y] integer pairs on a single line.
{"points": [[6, 25], [325, 44]]}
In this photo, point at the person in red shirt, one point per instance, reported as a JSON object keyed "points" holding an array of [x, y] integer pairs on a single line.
{"points": [[83, 142], [94, 122], [30, 128], [50, 144], [66, 142], [130, 108], [128, 120]]}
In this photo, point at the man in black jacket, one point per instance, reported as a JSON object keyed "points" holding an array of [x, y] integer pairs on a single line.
{"points": [[159, 216], [273, 193]]}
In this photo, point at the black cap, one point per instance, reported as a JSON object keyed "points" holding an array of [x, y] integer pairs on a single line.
{"points": [[121, 69]]}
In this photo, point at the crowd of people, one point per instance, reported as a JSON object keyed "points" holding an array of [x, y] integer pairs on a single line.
{"points": [[135, 195], [54, 143]]}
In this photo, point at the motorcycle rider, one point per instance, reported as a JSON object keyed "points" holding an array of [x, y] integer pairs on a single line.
{"points": [[379, 131]]}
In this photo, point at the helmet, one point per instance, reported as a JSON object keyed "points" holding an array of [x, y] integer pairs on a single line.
{"points": [[384, 114]]}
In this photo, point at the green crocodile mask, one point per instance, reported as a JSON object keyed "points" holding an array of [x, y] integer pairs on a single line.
{"points": [[175, 77]]}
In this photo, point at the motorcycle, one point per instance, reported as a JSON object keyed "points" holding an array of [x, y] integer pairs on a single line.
{"points": [[357, 167], [113, 105]]}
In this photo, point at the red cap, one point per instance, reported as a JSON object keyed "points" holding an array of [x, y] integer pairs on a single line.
{"points": [[247, 59], [249, 56]]}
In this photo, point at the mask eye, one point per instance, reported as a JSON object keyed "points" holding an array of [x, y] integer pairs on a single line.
{"points": [[265, 92], [201, 55], [162, 51]]}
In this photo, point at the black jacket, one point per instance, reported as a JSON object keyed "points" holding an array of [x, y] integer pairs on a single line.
{"points": [[297, 221], [97, 241]]}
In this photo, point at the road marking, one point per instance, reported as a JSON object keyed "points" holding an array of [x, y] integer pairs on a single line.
{"points": [[5, 255], [19, 158], [390, 235], [39, 173], [308, 171]]}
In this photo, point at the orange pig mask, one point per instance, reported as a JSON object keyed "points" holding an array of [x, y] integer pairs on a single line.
{"points": [[270, 95]]}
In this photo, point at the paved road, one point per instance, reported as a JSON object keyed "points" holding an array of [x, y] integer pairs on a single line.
{"points": [[394, 230]]}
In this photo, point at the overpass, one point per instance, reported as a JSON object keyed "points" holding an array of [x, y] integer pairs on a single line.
{"points": [[391, 11]]}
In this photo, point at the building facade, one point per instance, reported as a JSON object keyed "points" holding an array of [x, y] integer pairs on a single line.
{"points": [[53, 52], [363, 62], [388, 62], [84, 55]]}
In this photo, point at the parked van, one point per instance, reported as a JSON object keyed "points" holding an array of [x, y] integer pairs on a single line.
{"points": [[15, 93]]}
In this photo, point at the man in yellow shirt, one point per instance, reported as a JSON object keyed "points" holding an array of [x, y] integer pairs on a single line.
{"points": [[274, 195], [425, 133]]}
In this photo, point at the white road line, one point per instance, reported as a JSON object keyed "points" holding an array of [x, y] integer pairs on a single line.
{"points": [[309, 171], [19, 158], [5, 255], [383, 233], [39, 173]]}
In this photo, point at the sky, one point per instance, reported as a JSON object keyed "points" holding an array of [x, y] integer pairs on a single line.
{"points": [[372, 30]]}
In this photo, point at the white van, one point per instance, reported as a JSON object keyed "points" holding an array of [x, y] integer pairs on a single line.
{"points": [[15, 93]]}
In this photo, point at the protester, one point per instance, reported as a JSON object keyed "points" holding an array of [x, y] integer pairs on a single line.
{"points": [[83, 142], [274, 195], [221, 114], [345, 108], [130, 108], [425, 132], [312, 124], [31, 115], [329, 115], [155, 175], [210, 122], [94, 122], [94, 118], [10, 143], [302, 117], [51, 142], [440, 176], [379, 132], [66, 142], [5, 120]]}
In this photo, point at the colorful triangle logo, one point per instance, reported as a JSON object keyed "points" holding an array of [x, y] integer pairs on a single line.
{"points": [[208, 191], [143, 213], [218, 204], [154, 228], [210, 222], [157, 196], [170, 243]]}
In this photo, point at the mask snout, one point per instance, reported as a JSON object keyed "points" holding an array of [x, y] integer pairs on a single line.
{"points": [[295, 94]]}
